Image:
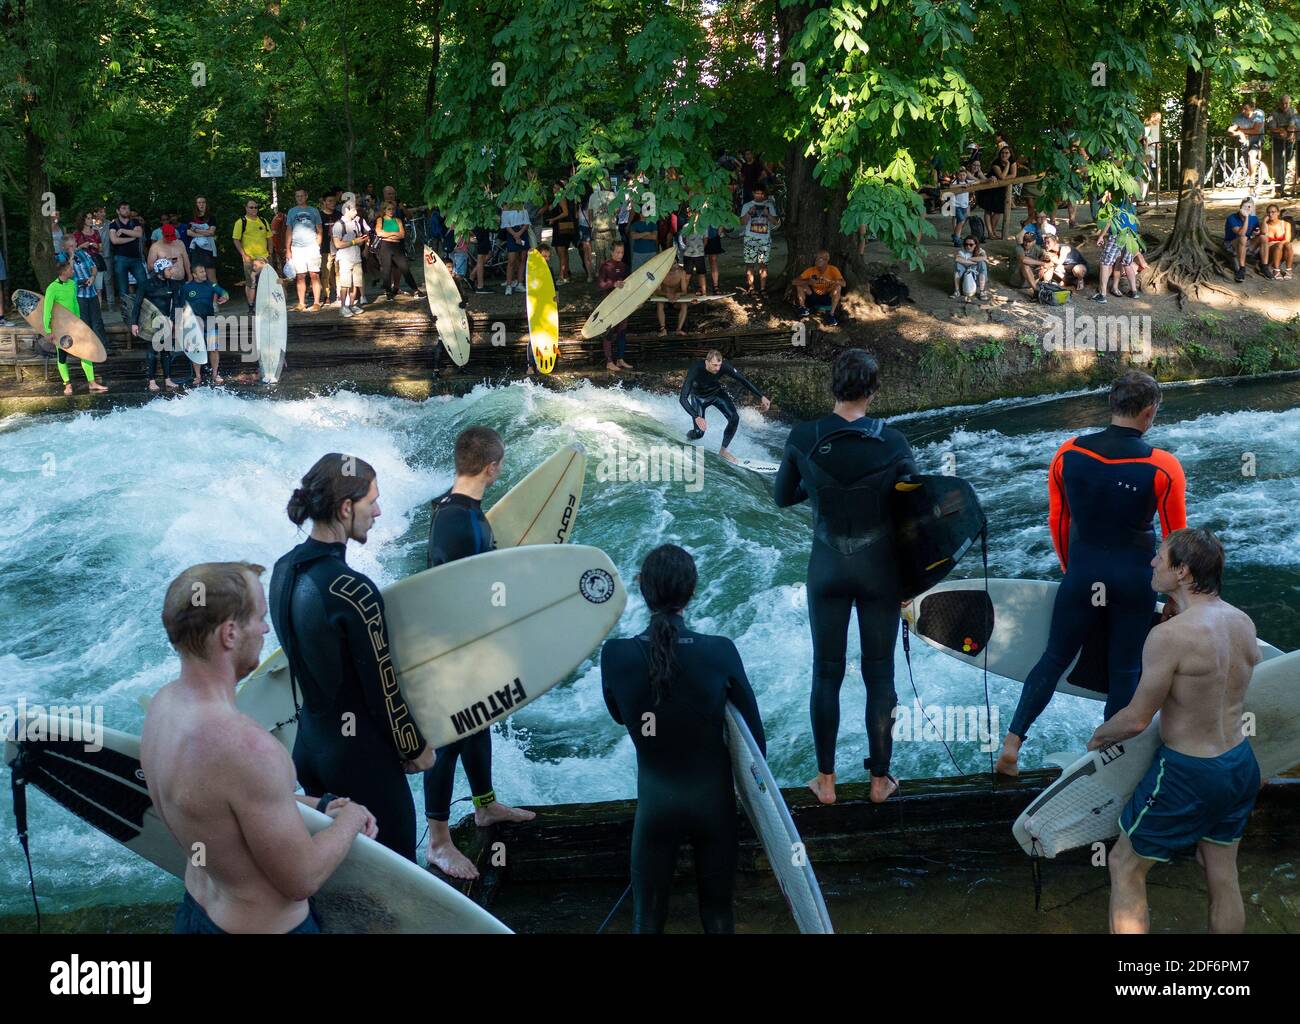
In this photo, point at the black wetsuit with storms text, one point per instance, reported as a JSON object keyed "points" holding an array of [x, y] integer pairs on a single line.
{"points": [[457, 530], [354, 729], [702, 389], [847, 471], [685, 792]]}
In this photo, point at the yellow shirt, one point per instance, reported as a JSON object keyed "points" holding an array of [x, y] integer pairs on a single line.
{"points": [[253, 236]]}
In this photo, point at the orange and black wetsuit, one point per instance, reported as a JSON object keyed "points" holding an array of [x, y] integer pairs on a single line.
{"points": [[1104, 489]]}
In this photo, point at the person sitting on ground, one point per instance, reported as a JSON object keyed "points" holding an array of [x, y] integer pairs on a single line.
{"points": [[221, 783], [1197, 665], [1275, 244], [1034, 266], [1242, 237], [1068, 267], [821, 285], [972, 264]]}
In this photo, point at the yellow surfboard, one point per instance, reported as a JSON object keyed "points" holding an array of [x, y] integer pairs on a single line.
{"points": [[543, 313]]}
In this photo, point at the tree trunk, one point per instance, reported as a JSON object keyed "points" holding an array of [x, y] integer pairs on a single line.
{"points": [[351, 144], [811, 220], [40, 243], [1184, 261]]}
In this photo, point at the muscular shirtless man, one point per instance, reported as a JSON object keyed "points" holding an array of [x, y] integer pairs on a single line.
{"points": [[221, 783], [1201, 787]]}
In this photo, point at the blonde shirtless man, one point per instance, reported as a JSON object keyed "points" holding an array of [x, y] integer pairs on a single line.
{"points": [[221, 783], [1201, 786]]}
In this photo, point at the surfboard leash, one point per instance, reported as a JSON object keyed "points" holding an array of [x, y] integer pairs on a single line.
{"points": [[610, 916], [23, 765], [907, 656]]}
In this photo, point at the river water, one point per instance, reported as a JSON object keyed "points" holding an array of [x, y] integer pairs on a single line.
{"points": [[99, 511]]}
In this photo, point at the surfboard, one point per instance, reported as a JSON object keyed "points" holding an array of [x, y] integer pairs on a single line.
{"points": [[1012, 622], [475, 640], [72, 334], [541, 508], [637, 288], [691, 299], [543, 313], [449, 320], [271, 325], [155, 329], [193, 344], [1083, 805], [765, 807], [937, 519], [758, 466], [373, 891]]}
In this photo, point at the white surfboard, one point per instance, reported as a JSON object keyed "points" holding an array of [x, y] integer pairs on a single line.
{"points": [[765, 807], [951, 617], [450, 321], [637, 288], [193, 342], [542, 507], [475, 640], [692, 299], [373, 891], [155, 329], [1083, 805], [758, 466], [271, 326]]}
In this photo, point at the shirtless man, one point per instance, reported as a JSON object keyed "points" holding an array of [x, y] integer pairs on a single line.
{"points": [[169, 247], [1201, 787], [675, 288], [221, 783]]}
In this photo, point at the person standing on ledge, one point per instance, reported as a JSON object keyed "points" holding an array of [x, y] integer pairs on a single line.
{"points": [[356, 735], [670, 688], [221, 782], [1202, 783], [1103, 491], [459, 529], [846, 465], [703, 388]]}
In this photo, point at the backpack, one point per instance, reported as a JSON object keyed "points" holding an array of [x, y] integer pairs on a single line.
{"points": [[888, 290], [1050, 294], [977, 229]]}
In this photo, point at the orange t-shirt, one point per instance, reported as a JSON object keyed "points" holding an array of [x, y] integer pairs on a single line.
{"points": [[822, 283]]}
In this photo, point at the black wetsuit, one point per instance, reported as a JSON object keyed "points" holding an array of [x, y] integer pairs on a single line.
{"points": [[702, 389], [354, 729], [848, 471], [685, 791], [458, 529]]}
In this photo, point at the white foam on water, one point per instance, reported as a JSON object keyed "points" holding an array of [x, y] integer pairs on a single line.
{"points": [[136, 495]]}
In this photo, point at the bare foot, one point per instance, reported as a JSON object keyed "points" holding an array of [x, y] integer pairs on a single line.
{"points": [[727, 455], [169, 384], [496, 812], [823, 787], [612, 367], [1007, 763], [450, 861], [624, 366], [882, 788], [153, 385], [218, 380], [67, 389]]}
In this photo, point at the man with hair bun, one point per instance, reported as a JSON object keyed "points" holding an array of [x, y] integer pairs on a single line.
{"points": [[459, 529], [221, 782], [1201, 786], [1103, 490], [846, 465], [356, 735]]}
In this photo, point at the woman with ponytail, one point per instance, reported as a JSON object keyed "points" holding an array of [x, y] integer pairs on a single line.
{"points": [[670, 688], [356, 736]]}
